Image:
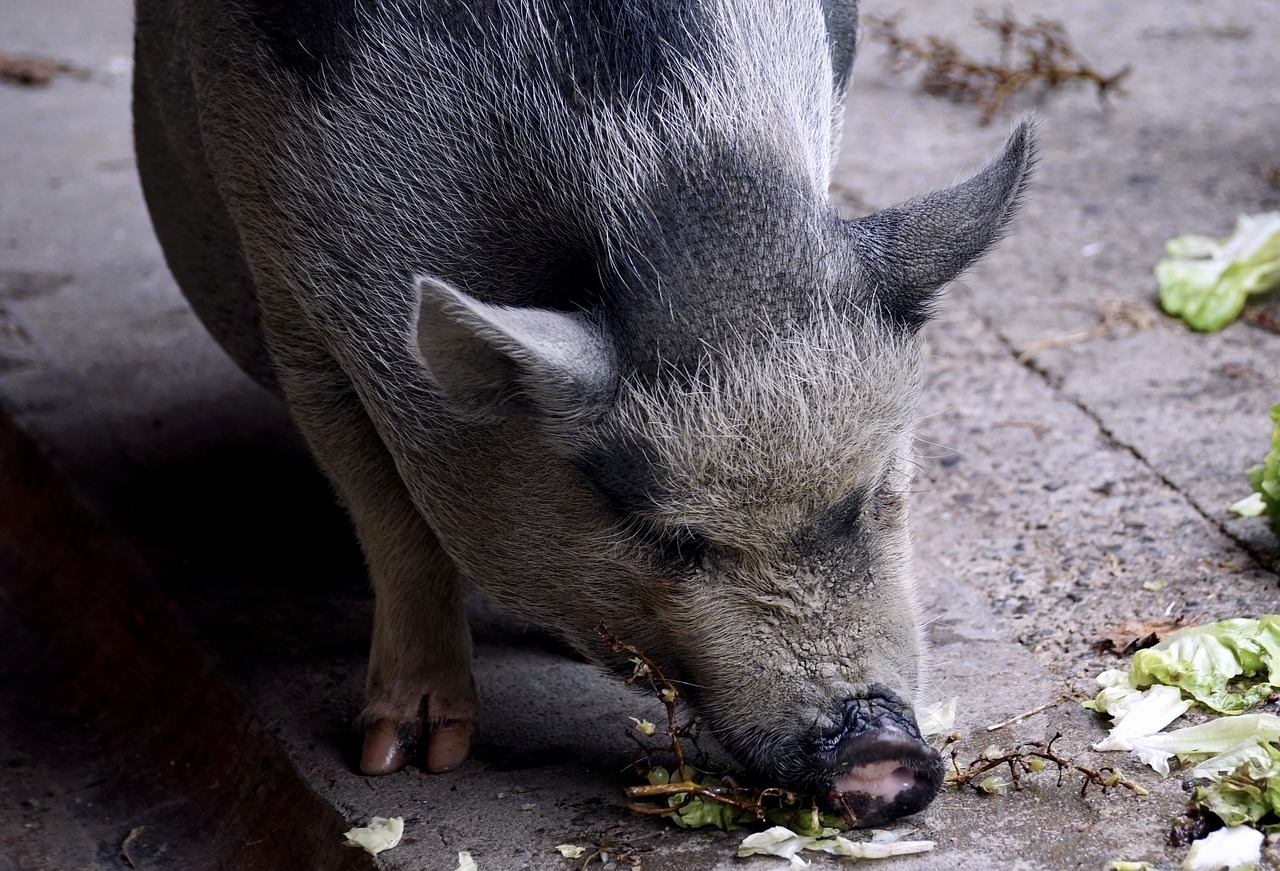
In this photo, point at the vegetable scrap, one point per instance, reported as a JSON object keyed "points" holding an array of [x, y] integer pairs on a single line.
{"points": [[1226, 668], [1234, 849], [1205, 662], [1264, 478], [382, 833], [1207, 281], [781, 841]]}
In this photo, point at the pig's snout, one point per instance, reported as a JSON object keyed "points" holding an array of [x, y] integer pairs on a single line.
{"points": [[880, 765]]}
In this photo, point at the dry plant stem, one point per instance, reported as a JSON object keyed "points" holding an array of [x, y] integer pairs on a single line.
{"points": [[623, 850], [667, 694], [1031, 713], [1018, 764], [749, 800], [134, 834], [1260, 318], [1038, 53]]}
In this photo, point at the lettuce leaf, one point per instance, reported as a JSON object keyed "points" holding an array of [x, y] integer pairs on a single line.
{"points": [[781, 841], [1211, 738], [1264, 478], [1245, 793], [1235, 849], [1206, 282], [1228, 666], [1209, 662]]}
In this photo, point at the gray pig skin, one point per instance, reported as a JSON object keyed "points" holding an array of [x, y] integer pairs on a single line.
{"points": [[554, 291]]}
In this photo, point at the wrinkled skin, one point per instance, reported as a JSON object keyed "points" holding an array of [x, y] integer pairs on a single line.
{"points": [[555, 293]]}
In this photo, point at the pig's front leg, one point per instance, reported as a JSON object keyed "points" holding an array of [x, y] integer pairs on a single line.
{"points": [[419, 676], [419, 682]]}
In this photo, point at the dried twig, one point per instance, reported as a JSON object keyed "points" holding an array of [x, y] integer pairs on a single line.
{"points": [[1032, 757], [1115, 314], [134, 834], [687, 781], [620, 851], [1261, 319], [1031, 713], [1038, 54]]}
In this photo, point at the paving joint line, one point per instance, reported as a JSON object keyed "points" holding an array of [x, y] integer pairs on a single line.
{"points": [[1267, 562]]}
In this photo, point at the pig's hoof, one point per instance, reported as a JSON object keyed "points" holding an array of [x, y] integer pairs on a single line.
{"points": [[385, 749], [449, 744], [388, 746]]}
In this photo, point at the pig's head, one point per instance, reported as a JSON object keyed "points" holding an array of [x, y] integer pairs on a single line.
{"points": [[737, 511]]}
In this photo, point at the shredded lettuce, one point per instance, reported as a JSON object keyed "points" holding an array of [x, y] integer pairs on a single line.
{"points": [[1137, 712], [1209, 662], [1235, 849], [781, 841], [938, 719], [1228, 666], [1248, 792], [692, 811], [1206, 282], [1195, 743], [1264, 478], [382, 833]]}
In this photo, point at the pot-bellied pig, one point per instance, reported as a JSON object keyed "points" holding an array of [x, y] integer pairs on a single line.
{"points": [[556, 295]]}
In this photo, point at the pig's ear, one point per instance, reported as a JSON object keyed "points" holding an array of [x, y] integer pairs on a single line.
{"points": [[502, 361], [909, 251]]}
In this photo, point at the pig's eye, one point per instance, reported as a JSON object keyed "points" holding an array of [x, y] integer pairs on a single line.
{"points": [[846, 515], [684, 548], [680, 548]]}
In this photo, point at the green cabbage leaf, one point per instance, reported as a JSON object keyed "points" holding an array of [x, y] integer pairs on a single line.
{"points": [[1206, 282]]}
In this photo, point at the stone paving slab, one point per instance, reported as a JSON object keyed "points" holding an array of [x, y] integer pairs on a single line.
{"points": [[1076, 442]]}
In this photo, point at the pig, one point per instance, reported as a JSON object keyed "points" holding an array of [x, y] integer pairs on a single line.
{"points": [[556, 295]]}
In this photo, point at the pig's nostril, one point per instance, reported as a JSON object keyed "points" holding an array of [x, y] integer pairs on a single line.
{"points": [[885, 773], [882, 780]]}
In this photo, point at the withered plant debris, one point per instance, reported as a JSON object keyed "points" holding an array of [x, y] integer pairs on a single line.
{"points": [[1138, 635], [1036, 55], [801, 812], [134, 834], [36, 71], [1261, 319], [1191, 826], [608, 848], [1029, 758], [686, 782], [1038, 709]]}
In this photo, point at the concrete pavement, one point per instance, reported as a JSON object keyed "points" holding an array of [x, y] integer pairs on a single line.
{"points": [[1076, 443]]}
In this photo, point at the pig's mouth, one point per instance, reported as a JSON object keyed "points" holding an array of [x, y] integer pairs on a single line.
{"points": [[877, 764], [885, 774], [874, 766]]}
